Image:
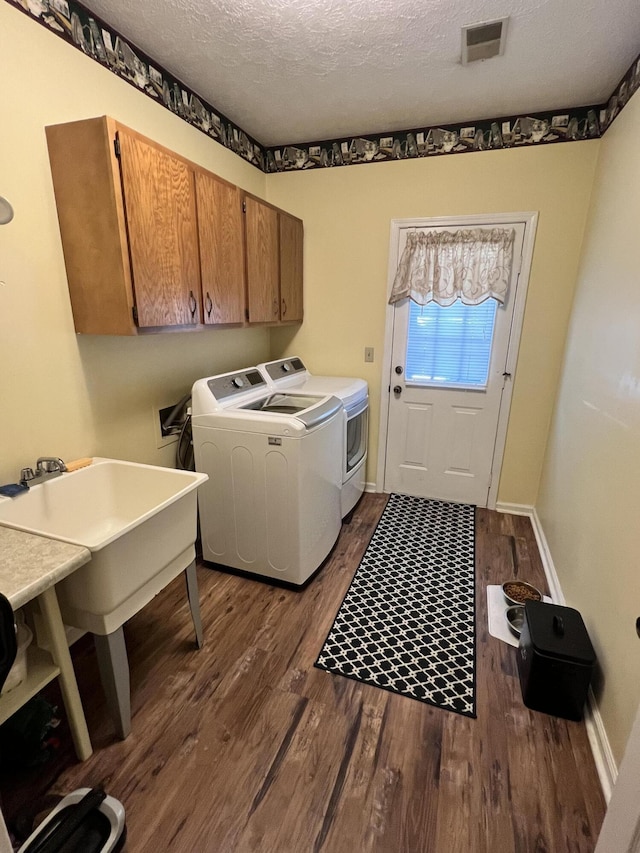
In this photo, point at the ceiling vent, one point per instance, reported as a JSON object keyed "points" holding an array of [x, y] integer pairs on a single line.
{"points": [[482, 41]]}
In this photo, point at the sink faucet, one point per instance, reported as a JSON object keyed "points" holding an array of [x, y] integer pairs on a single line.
{"points": [[47, 467]]}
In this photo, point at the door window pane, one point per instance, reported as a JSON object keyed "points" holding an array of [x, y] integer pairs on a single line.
{"points": [[450, 346]]}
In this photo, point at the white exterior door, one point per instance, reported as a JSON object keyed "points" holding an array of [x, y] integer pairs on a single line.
{"points": [[442, 426]]}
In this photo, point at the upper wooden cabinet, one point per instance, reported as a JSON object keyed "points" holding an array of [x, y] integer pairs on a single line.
{"points": [[263, 262], [152, 241], [291, 241], [160, 210], [221, 249], [274, 263]]}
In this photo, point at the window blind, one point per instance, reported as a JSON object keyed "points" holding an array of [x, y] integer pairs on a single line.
{"points": [[450, 346]]}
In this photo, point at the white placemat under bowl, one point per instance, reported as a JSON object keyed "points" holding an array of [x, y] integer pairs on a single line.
{"points": [[496, 608]]}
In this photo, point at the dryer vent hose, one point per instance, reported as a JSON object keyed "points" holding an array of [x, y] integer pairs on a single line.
{"points": [[178, 423], [184, 448]]}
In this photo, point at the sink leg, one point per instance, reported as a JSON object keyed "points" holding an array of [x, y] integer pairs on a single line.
{"points": [[60, 650], [111, 652], [194, 601]]}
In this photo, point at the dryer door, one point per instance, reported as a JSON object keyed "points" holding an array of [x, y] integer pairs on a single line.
{"points": [[357, 432]]}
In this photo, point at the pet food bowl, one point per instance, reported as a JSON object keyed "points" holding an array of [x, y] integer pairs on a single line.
{"points": [[517, 592], [515, 618]]}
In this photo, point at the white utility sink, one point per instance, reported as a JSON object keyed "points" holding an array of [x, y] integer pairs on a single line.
{"points": [[138, 521]]}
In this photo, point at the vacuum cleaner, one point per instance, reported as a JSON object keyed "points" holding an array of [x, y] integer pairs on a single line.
{"points": [[85, 821]]}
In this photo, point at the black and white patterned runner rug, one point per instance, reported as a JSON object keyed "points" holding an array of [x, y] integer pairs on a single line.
{"points": [[407, 622]]}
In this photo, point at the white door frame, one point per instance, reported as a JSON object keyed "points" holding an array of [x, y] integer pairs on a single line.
{"points": [[530, 220], [621, 828]]}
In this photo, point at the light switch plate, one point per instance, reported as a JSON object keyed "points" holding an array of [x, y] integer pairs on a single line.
{"points": [[368, 354]]}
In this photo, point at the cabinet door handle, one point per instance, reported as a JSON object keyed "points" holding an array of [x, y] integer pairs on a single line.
{"points": [[208, 304], [193, 305], [284, 307]]}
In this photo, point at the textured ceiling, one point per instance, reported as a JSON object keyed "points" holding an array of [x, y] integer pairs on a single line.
{"points": [[301, 70]]}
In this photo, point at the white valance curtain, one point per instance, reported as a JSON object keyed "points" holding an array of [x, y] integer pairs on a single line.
{"points": [[441, 266]]}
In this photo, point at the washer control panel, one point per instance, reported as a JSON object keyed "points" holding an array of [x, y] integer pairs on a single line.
{"points": [[285, 367], [235, 383]]}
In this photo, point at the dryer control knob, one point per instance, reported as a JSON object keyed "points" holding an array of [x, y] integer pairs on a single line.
{"points": [[237, 381], [286, 367]]}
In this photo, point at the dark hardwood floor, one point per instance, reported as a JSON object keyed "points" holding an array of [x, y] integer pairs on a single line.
{"points": [[245, 746]]}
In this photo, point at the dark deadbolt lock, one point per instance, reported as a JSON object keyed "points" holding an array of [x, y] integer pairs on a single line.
{"points": [[399, 370], [397, 390]]}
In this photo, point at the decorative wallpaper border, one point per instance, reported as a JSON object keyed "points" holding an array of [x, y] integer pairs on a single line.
{"points": [[621, 94], [78, 26], [512, 131]]}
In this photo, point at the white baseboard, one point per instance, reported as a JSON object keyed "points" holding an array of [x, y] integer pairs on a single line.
{"points": [[515, 509], [600, 747], [547, 560], [599, 742], [370, 487]]}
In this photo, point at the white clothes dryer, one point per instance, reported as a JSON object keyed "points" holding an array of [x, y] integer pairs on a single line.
{"points": [[271, 506], [291, 374]]}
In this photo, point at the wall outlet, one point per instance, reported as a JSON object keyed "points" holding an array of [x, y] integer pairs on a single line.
{"points": [[368, 354]]}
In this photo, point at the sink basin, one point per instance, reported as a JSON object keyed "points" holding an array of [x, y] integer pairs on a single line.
{"points": [[138, 521]]}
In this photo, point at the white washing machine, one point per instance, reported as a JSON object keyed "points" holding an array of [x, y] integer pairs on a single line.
{"points": [[271, 506], [291, 374]]}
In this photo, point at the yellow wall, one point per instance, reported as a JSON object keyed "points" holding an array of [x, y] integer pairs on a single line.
{"points": [[347, 214], [63, 394], [590, 491]]}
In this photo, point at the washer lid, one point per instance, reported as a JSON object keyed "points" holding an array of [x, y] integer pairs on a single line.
{"points": [[310, 410], [256, 416]]}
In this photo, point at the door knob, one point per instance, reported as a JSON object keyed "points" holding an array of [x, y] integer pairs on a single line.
{"points": [[398, 370], [397, 390]]}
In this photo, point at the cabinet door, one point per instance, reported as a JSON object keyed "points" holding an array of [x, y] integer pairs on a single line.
{"points": [[291, 239], [221, 250], [160, 210], [263, 263]]}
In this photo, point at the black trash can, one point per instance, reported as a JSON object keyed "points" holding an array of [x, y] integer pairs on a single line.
{"points": [[555, 660]]}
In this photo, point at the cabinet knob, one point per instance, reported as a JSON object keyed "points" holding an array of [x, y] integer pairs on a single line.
{"points": [[208, 304]]}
